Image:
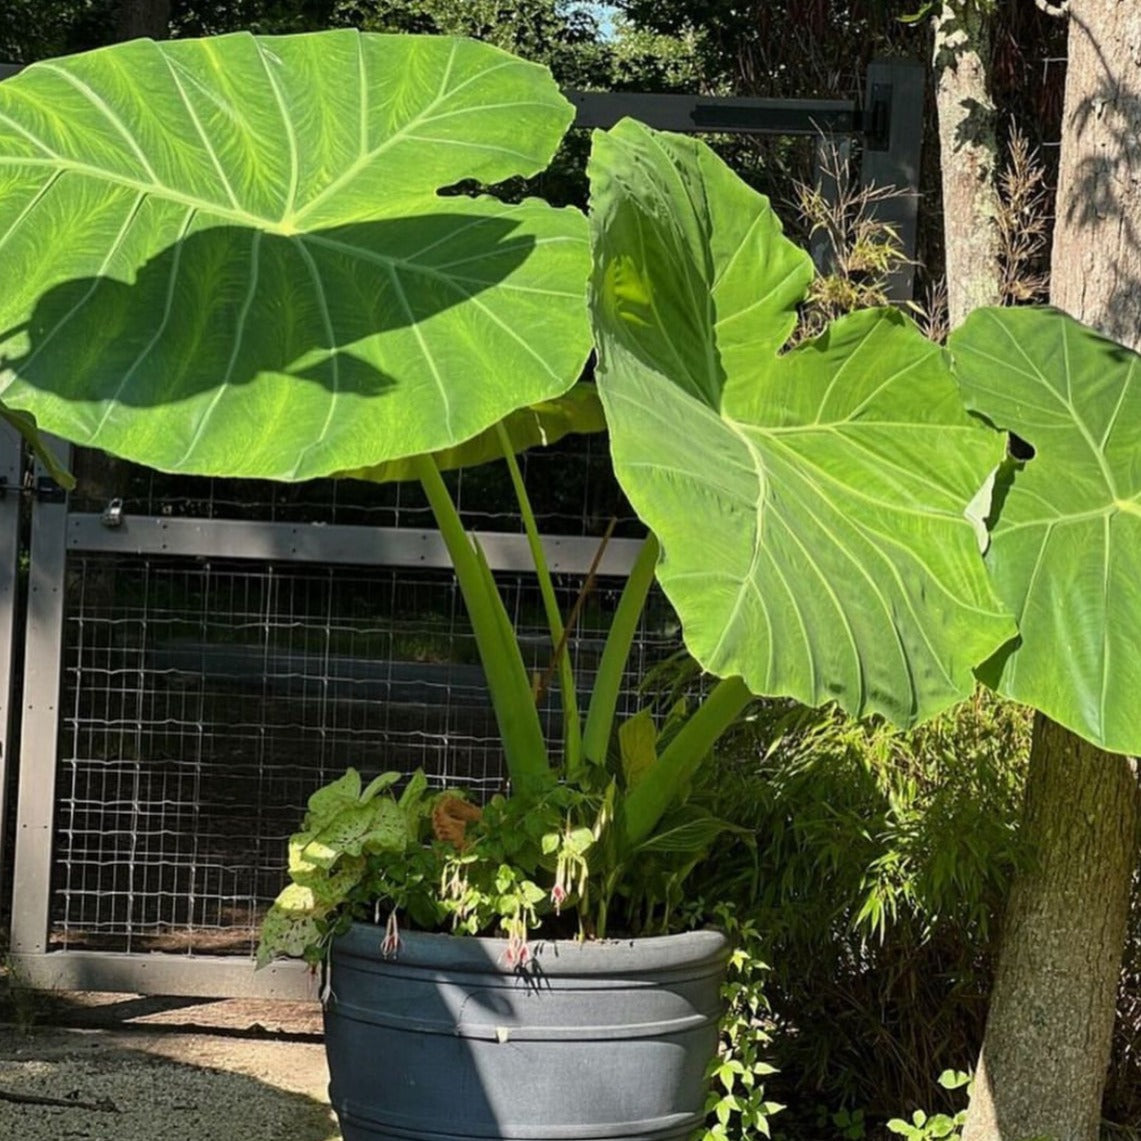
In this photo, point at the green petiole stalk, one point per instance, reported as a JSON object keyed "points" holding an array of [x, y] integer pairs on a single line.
{"points": [[572, 727], [646, 803], [524, 745], [608, 681]]}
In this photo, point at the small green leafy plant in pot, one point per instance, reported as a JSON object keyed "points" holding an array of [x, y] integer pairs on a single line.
{"points": [[237, 257]]}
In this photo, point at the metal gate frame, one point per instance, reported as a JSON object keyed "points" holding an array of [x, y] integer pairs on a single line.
{"points": [[55, 533], [891, 128], [11, 472], [889, 125]]}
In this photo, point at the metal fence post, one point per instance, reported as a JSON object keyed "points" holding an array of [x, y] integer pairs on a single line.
{"points": [[11, 454], [31, 893], [893, 141]]}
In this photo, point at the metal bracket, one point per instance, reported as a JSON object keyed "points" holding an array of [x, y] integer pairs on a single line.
{"points": [[113, 514], [48, 491], [876, 118]]}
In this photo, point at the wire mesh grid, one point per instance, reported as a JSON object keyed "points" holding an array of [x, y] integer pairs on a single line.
{"points": [[204, 701]]}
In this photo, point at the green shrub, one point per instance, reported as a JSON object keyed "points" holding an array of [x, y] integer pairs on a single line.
{"points": [[880, 869]]}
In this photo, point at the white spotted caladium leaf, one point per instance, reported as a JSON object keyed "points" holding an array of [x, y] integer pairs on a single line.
{"points": [[232, 256], [811, 505], [290, 926], [377, 825], [1065, 550], [328, 859]]}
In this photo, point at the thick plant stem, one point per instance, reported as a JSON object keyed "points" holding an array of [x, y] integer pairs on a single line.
{"points": [[572, 727], [648, 801], [1050, 1024], [608, 680], [968, 147], [524, 746]]}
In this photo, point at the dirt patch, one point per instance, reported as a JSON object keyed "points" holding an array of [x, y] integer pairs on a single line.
{"points": [[144, 1069]]}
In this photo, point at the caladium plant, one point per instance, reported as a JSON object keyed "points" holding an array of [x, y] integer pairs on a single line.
{"points": [[246, 257]]}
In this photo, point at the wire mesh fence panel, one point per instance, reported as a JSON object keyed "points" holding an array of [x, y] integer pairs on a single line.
{"points": [[204, 700]]}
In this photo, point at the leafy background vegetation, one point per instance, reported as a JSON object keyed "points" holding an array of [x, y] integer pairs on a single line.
{"points": [[876, 883]]}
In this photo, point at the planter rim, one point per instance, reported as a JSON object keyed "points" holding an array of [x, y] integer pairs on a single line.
{"points": [[552, 957]]}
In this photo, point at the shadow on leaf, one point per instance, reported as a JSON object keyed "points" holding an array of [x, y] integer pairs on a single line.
{"points": [[226, 305]]}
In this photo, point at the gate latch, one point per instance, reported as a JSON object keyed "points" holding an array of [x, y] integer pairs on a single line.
{"points": [[48, 491]]}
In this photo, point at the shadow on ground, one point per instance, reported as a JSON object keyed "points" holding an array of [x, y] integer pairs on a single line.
{"points": [[134, 1068], [182, 1087]]}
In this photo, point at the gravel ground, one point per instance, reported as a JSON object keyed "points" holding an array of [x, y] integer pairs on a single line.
{"points": [[135, 1069]]}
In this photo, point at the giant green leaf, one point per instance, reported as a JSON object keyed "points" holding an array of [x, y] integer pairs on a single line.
{"points": [[811, 505], [244, 238], [1065, 550]]}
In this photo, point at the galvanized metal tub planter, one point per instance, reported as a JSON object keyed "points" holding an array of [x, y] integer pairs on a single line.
{"points": [[446, 1042]]}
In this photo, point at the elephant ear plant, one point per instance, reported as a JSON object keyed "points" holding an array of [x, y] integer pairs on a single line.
{"points": [[1065, 550], [237, 257]]}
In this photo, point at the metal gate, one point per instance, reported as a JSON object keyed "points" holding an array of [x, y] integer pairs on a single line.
{"points": [[188, 681], [198, 656]]}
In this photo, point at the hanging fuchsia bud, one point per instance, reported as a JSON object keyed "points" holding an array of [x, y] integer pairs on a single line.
{"points": [[558, 897], [391, 942], [518, 953]]}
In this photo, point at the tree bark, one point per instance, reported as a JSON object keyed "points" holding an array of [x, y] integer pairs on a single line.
{"points": [[1046, 1051], [143, 18], [1096, 271], [968, 146]]}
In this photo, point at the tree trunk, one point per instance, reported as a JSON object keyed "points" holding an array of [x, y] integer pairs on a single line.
{"points": [[1044, 1060], [968, 147], [1046, 1050], [1097, 237], [143, 18]]}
